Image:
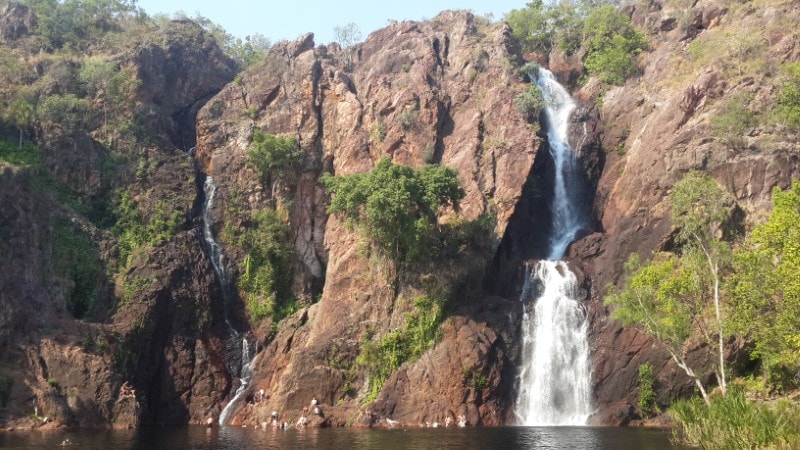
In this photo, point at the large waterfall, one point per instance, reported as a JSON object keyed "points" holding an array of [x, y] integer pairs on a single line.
{"points": [[554, 381], [241, 352]]}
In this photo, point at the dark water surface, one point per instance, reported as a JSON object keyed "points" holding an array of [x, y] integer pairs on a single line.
{"points": [[196, 437]]}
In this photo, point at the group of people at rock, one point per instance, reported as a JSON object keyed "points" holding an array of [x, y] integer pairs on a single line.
{"points": [[302, 421]]}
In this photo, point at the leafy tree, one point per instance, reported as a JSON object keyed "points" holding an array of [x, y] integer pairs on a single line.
{"points": [[247, 51], [19, 113], [699, 208], [116, 87], [766, 285], [674, 295], [612, 42], [396, 205], [658, 297]]}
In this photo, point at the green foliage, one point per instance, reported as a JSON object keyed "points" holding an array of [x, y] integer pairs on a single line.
{"points": [[733, 422], [788, 110], [6, 384], [103, 78], [68, 110], [766, 288], [382, 356], [646, 397], [265, 279], [71, 21], [27, 155], [611, 43], [134, 230], [699, 208], [540, 26], [674, 294], [656, 297], [530, 102], [248, 51], [395, 205], [734, 120], [19, 113], [273, 155], [77, 262]]}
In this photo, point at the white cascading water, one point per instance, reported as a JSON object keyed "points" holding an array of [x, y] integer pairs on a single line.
{"points": [[554, 381], [245, 375], [220, 266]]}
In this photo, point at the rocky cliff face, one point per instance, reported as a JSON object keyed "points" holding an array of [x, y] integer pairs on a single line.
{"points": [[659, 126], [83, 343], [437, 91]]}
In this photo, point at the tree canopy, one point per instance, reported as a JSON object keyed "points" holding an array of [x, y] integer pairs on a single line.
{"points": [[395, 205], [766, 287]]}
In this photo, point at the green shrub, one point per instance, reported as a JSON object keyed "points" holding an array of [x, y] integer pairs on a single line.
{"points": [[273, 155], [611, 42], [407, 117], [733, 422], [395, 205], [382, 356], [646, 397], [734, 120], [135, 230], [378, 131], [68, 110], [26, 155], [265, 277], [530, 102]]}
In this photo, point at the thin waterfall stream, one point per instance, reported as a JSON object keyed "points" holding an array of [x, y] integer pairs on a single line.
{"points": [[242, 352], [554, 379]]}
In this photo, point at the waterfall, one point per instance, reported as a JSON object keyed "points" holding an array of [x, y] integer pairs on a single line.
{"points": [[245, 375], [554, 380], [240, 353]]}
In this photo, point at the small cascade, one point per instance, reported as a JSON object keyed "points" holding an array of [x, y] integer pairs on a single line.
{"points": [[555, 377], [241, 353]]}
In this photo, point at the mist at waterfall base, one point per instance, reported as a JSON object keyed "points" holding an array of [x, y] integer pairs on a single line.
{"points": [[554, 383], [240, 351], [197, 437]]}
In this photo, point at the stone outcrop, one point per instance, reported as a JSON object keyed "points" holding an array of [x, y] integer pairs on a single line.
{"points": [[437, 91], [16, 21], [150, 349]]}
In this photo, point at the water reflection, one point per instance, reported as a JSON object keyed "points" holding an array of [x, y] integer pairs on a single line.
{"points": [[346, 439]]}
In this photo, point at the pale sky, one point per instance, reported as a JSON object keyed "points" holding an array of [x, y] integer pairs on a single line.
{"points": [[287, 19]]}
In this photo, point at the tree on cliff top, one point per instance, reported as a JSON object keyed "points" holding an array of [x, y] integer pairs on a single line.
{"points": [[674, 296], [395, 205]]}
